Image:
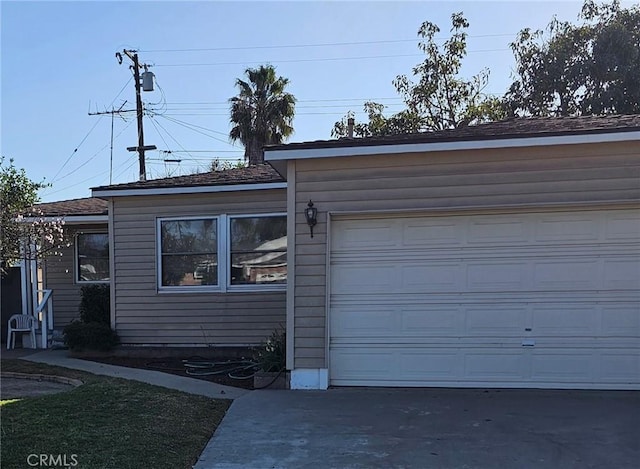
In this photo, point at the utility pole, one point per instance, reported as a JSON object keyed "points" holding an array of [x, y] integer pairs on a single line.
{"points": [[141, 148]]}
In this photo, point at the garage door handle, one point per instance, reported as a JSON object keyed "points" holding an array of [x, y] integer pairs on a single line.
{"points": [[528, 343]]}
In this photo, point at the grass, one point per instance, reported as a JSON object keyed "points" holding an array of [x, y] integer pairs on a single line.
{"points": [[107, 423]]}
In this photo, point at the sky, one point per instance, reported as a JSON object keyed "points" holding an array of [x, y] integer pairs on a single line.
{"points": [[58, 66]]}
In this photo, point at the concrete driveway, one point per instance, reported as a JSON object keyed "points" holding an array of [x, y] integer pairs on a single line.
{"points": [[422, 428]]}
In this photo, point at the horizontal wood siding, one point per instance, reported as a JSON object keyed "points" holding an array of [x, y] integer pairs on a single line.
{"points": [[440, 180], [60, 277], [145, 316]]}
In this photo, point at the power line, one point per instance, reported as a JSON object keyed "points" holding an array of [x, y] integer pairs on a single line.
{"points": [[326, 59], [206, 151], [95, 154], [320, 59], [326, 44], [218, 108], [297, 101], [200, 127], [88, 133], [75, 150], [155, 126], [173, 138], [194, 128]]}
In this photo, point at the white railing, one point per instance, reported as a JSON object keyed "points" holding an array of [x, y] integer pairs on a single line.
{"points": [[44, 315]]}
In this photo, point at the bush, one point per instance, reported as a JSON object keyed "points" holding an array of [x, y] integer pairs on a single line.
{"points": [[273, 355], [90, 335], [95, 304]]}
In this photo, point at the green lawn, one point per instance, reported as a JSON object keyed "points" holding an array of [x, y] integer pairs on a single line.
{"points": [[107, 423]]}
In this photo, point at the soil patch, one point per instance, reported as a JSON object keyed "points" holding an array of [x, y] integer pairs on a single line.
{"points": [[19, 385], [225, 371]]}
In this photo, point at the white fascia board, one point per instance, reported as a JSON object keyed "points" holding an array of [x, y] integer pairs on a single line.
{"points": [[306, 153], [187, 190], [70, 219]]}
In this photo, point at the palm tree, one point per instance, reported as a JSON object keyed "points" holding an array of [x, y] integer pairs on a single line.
{"points": [[262, 113]]}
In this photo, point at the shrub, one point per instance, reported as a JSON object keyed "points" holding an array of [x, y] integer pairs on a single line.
{"points": [[95, 304], [90, 335], [273, 354]]}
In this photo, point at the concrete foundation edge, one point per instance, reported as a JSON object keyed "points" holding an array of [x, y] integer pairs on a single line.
{"points": [[310, 378]]}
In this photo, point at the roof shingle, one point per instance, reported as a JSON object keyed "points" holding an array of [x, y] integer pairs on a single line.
{"points": [[74, 207], [509, 128], [259, 174]]}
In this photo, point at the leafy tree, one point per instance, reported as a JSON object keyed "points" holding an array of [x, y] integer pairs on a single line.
{"points": [[438, 98], [590, 68], [219, 165], [262, 112], [22, 225]]}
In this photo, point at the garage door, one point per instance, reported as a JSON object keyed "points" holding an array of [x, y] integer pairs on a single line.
{"points": [[547, 299]]}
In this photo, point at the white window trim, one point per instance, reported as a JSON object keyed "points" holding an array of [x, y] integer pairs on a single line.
{"points": [[181, 288], [76, 267], [223, 227]]}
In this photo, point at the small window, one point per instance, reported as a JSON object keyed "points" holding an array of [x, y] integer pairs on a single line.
{"points": [[189, 252], [92, 263], [258, 250]]}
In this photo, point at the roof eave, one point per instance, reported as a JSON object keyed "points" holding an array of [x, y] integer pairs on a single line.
{"points": [[204, 189], [274, 155], [69, 219]]}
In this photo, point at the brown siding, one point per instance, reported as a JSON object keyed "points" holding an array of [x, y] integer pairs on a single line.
{"points": [[440, 180], [60, 277], [144, 316]]}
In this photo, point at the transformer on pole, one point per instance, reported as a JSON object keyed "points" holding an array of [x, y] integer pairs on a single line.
{"points": [[144, 83]]}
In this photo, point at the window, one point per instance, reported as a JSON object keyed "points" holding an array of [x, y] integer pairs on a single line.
{"points": [[222, 253], [258, 250], [189, 252], [92, 257]]}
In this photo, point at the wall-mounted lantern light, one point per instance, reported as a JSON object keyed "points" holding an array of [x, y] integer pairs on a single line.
{"points": [[311, 214]]}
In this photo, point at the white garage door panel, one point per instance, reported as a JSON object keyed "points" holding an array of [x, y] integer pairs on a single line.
{"points": [[515, 300], [468, 274], [470, 367], [461, 322]]}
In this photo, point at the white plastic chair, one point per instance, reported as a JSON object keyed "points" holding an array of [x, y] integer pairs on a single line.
{"points": [[22, 323]]}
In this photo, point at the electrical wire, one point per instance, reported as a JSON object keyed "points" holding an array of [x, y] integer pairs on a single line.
{"points": [[178, 143], [127, 168], [95, 154], [319, 59], [155, 126], [88, 133], [327, 44], [203, 128], [194, 128], [76, 149]]}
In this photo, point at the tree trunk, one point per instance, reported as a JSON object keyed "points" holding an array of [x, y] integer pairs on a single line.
{"points": [[255, 153]]}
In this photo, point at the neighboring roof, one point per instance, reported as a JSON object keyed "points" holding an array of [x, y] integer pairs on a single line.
{"points": [[259, 174], [75, 207], [504, 129]]}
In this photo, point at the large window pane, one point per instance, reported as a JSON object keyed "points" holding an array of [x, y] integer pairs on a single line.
{"points": [[92, 264], [258, 250], [181, 236], [189, 270], [189, 252]]}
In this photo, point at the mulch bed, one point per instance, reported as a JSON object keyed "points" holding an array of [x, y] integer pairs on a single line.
{"points": [[175, 365]]}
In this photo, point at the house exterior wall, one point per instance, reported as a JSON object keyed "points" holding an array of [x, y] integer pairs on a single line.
{"points": [[531, 176], [60, 276], [145, 316]]}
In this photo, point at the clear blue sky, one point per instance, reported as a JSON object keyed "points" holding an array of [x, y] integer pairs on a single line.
{"points": [[58, 64]]}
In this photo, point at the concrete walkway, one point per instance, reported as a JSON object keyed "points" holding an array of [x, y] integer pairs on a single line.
{"points": [[158, 378]]}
